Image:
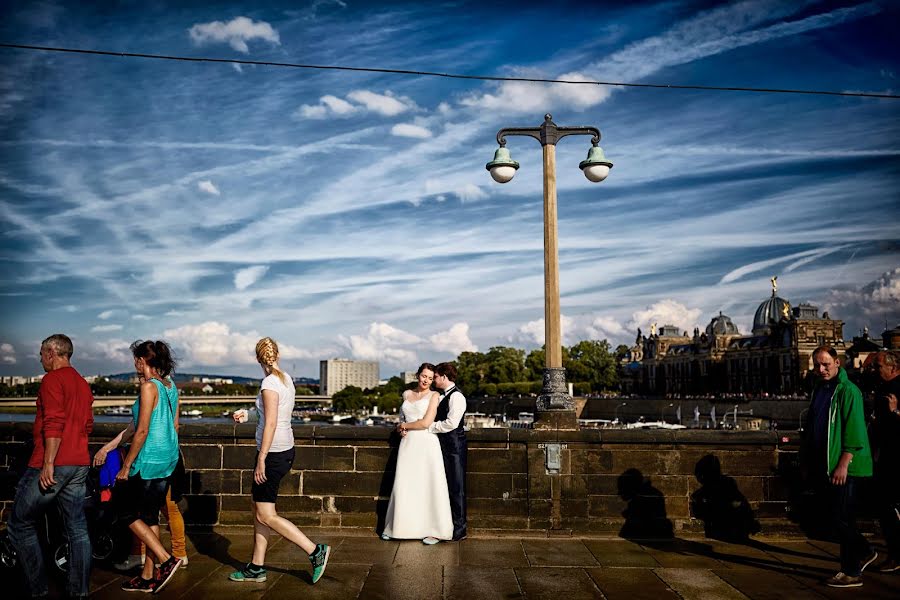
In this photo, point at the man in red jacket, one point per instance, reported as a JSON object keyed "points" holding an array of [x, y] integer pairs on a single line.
{"points": [[57, 470]]}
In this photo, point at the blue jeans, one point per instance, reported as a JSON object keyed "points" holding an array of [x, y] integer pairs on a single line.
{"points": [[854, 547], [30, 505]]}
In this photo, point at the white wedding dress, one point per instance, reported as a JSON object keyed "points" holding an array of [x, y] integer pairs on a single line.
{"points": [[420, 503]]}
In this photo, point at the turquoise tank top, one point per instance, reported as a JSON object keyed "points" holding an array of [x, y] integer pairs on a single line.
{"points": [[159, 454]]}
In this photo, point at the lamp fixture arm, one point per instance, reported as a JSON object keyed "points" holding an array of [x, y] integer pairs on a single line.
{"points": [[548, 133]]}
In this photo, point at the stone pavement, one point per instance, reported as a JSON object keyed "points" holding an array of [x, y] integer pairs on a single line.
{"points": [[509, 566]]}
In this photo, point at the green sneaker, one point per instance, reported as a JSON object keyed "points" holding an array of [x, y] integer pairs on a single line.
{"points": [[248, 574], [319, 559]]}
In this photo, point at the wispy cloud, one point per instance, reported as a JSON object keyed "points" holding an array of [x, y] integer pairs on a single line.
{"points": [[244, 278], [106, 328]]}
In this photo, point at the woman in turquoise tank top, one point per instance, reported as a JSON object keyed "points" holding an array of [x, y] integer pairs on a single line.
{"points": [[143, 481]]}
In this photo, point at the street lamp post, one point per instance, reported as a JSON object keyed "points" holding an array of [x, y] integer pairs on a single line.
{"points": [[555, 408], [616, 411]]}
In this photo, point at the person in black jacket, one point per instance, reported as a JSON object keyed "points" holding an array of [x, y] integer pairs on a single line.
{"points": [[885, 434], [448, 424]]}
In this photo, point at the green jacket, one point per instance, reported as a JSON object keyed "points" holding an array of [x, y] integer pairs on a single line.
{"points": [[847, 428]]}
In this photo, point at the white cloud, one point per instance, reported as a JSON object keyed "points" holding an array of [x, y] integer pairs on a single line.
{"points": [[454, 340], [208, 187], [411, 131], [523, 96], [214, 344], [140, 317], [870, 305], [383, 342], [604, 328], [7, 354], [665, 312], [106, 328], [358, 102], [70, 308], [383, 104], [106, 314], [532, 332], [244, 278], [470, 192], [236, 33]]}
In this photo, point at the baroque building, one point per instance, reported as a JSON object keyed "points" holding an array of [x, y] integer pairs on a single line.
{"points": [[774, 359]]}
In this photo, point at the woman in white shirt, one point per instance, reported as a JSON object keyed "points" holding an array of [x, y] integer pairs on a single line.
{"points": [[275, 456]]}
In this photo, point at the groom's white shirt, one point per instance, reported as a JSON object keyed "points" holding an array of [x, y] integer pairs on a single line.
{"points": [[454, 415]]}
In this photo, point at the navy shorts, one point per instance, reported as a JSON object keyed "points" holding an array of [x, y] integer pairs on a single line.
{"points": [[277, 466]]}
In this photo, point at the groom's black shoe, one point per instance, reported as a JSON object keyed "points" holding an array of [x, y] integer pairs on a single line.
{"points": [[460, 538]]}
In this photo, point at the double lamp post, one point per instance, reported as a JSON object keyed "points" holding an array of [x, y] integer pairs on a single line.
{"points": [[555, 408]]}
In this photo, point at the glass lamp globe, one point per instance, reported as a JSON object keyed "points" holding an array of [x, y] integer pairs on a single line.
{"points": [[595, 166], [502, 168]]}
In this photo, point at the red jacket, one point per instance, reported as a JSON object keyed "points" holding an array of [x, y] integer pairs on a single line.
{"points": [[63, 411]]}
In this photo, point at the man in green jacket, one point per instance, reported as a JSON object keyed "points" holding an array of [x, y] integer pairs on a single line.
{"points": [[837, 456]]}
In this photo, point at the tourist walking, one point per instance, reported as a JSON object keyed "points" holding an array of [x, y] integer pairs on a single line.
{"points": [[274, 458], [57, 471], [419, 507], [144, 479], [837, 457], [886, 449]]}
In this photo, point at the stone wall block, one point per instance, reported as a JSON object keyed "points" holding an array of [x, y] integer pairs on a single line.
{"points": [[589, 460], [324, 458], [202, 457], [481, 460], [208, 482], [239, 457], [376, 459], [343, 484], [491, 506]]}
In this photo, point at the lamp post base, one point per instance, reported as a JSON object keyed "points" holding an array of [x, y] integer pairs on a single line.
{"points": [[555, 407]]}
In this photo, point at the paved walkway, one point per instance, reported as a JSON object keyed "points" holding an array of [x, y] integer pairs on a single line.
{"points": [[363, 566]]}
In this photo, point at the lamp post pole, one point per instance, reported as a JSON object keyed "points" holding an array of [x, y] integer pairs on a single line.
{"points": [[555, 408]]}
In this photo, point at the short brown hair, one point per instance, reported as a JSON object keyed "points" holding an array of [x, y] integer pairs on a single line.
{"points": [[447, 369], [827, 350]]}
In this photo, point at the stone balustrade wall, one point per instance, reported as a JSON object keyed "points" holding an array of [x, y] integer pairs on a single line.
{"points": [[342, 476]]}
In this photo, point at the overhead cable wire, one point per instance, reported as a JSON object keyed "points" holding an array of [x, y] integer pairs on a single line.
{"points": [[262, 63]]}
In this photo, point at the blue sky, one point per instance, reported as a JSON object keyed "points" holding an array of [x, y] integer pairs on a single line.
{"points": [[349, 213]]}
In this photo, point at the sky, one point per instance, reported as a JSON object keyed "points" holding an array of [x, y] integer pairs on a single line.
{"points": [[349, 214]]}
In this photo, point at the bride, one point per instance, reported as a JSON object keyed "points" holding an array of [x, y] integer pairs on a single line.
{"points": [[420, 504]]}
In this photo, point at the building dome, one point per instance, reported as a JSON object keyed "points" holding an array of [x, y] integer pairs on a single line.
{"points": [[721, 325], [770, 313]]}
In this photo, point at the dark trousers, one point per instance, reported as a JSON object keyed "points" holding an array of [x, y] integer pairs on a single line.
{"points": [[454, 449], [30, 504], [854, 547], [887, 493]]}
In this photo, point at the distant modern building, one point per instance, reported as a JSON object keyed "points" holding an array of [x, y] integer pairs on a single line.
{"points": [[773, 360], [337, 373], [408, 376]]}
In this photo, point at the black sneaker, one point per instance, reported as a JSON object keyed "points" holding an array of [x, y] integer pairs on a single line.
{"points": [[139, 584], [319, 558], [166, 570]]}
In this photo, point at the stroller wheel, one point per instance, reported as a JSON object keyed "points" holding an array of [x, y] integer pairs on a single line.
{"points": [[61, 557], [103, 547]]}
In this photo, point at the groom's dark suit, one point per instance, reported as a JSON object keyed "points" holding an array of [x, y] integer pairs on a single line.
{"points": [[454, 448]]}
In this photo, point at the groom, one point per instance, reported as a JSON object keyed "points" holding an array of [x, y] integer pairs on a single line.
{"points": [[448, 424]]}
